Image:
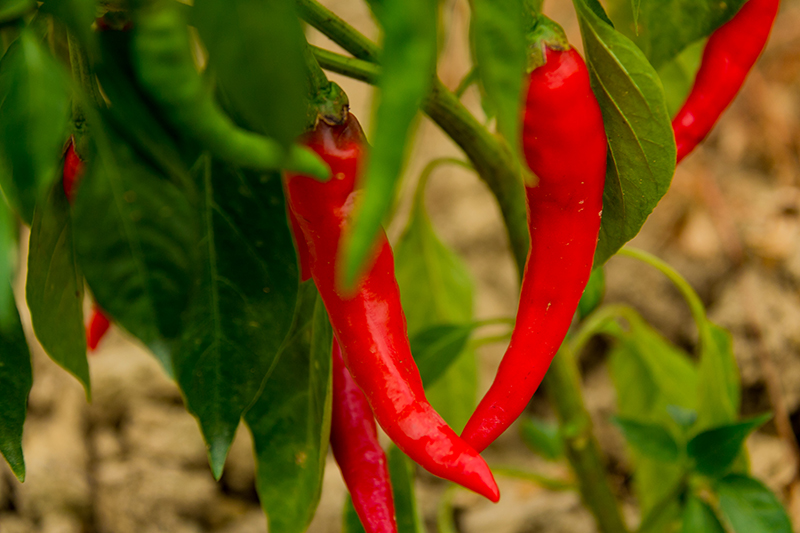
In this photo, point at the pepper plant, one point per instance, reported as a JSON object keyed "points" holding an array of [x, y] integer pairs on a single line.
{"points": [[194, 168]]}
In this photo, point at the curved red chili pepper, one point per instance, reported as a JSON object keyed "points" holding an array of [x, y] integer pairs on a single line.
{"points": [[565, 146], [73, 172], [728, 57], [354, 441], [369, 324]]}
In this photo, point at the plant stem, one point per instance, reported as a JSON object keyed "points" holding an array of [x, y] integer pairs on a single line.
{"points": [[495, 166]]}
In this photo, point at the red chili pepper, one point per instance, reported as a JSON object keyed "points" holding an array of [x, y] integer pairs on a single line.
{"points": [[369, 324], [565, 146], [73, 172], [728, 57], [354, 441]]}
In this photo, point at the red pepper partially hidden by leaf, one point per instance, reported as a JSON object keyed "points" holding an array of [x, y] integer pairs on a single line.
{"points": [[97, 328], [370, 325], [565, 146], [728, 57], [354, 441]]}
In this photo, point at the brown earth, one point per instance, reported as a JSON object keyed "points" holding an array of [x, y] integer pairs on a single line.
{"points": [[133, 460]]}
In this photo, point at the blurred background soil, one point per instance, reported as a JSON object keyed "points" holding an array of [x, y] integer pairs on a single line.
{"points": [[133, 460]]}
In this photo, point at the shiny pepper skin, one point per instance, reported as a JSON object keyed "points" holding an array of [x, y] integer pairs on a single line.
{"points": [[73, 171], [369, 323], [565, 146], [354, 441], [728, 57]]}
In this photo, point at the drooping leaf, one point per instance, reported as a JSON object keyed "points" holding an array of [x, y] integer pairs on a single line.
{"points": [[408, 64], [262, 69], [641, 159], [34, 104], [135, 235], [401, 470], [543, 438], [436, 288], [667, 27], [16, 379], [437, 347], [290, 420], [750, 507], [715, 449], [651, 440], [498, 36], [54, 288], [699, 517], [242, 303]]}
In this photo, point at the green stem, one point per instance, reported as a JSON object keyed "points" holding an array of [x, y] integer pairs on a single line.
{"points": [[546, 482], [595, 322], [337, 30], [83, 75], [319, 81], [483, 341], [508, 320], [352, 67], [466, 82], [425, 175]]}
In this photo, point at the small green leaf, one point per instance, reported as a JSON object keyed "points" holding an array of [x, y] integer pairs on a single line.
{"points": [[498, 35], [242, 303], [699, 517], [718, 394], [34, 104], [135, 235], [650, 440], [54, 288], [683, 417], [750, 507], [436, 288], [290, 420], [401, 470], [715, 450], [408, 67], [642, 152], [543, 438], [593, 293], [437, 347], [16, 379], [262, 69], [637, 6]]}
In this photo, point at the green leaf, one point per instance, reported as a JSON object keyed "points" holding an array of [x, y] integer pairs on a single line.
{"points": [[135, 234], [242, 304], [699, 517], [262, 69], [290, 420], [436, 288], [408, 66], [677, 75], [651, 440], [543, 438], [498, 36], [11, 10], [715, 450], [351, 523], [666, 27], [8, 262], [718, 395], [685, 418], [78, 16], [642, 153], [401, 470], [437, 347], [34, 105], [16, 379], [593, 293], [750, 507], [637, 6], [54, 288]]}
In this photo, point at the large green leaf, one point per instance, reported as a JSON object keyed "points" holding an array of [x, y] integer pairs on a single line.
{"points": [[11, 10], [54, 288], [242, 304], [262, 69], [437, 347], [15, 383], [408, 65], [498, 36], [677, 75], [641, 158], [750, 507], [136, 235], [699, 517], [290, 419], [8, 262], [543, 438], [666, 27], [34, 104], [715, 449], [436, 288], [78, 16]]}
